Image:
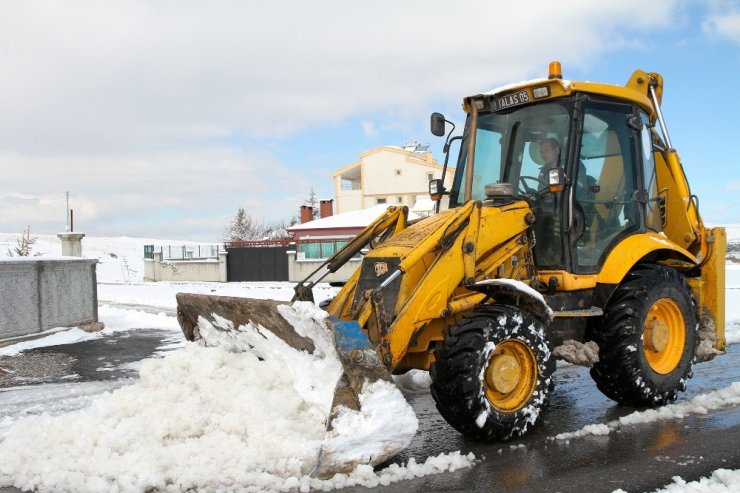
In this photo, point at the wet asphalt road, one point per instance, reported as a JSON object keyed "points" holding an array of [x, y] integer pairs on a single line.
{"points": [[636, 458]]}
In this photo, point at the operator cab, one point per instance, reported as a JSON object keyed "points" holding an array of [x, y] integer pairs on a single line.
{"points": [[583, 162]]}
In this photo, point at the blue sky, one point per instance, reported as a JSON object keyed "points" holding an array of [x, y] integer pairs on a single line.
{"points": [[162, 118]]}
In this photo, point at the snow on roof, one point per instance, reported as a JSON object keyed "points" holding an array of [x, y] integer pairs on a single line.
{"points": [[507, 87], [351, 219], [423, 204]]}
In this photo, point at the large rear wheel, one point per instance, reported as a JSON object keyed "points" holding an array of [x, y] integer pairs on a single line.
{"points": [[647, 338], [492, 375]]}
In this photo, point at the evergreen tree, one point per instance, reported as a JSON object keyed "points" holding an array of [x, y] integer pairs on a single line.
{"points": [[313, 201], [25, 245], [244, 227]]}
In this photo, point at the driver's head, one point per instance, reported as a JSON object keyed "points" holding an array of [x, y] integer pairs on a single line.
{"points": [[550, 152]]}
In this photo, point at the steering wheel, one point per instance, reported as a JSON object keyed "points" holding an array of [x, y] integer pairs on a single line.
{"points": [[526, 186]]}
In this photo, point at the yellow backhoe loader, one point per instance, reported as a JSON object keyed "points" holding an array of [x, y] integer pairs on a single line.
{"points": [[569, 220]]}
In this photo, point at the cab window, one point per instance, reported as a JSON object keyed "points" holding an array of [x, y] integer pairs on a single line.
{"points": [[652, 213]]}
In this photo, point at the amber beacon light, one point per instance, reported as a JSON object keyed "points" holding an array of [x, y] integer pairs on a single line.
{"points": [[556, 72]]}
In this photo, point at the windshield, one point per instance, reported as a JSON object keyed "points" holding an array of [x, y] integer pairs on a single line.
{"points": [[515, 147]]}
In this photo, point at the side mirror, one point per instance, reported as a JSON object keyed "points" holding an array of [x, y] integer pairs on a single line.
{"points": [[438, 124], [436, 189]]}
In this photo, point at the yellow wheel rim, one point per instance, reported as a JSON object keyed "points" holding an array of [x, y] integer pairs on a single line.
{"points": [[511, 375], [664, 336]]}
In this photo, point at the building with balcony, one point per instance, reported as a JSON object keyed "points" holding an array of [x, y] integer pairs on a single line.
{"points": [[387, 175]]}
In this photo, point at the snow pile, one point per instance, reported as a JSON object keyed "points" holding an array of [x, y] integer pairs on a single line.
{"points": [[721, 481], [594, 429], [701, 404], [385, 423], [383, 427], [210, 418]]}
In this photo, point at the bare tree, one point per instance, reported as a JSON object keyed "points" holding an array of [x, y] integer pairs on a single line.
{"points": [[279, 229]]}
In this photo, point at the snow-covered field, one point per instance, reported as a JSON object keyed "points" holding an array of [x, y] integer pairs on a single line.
{"points": [[202, 418]]}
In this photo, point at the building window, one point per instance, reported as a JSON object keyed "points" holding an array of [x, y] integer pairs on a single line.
{"points": [[380, 201], [398, 172], [430, 177], [321, 250], [399, 200]]}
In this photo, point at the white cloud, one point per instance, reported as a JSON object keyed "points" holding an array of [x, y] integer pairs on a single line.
{"points": [[723, 20], [368, 128], [131, 105], [145, 194]]}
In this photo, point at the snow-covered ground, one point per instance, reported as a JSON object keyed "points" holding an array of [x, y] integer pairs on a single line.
{"points": [[183, 423]]}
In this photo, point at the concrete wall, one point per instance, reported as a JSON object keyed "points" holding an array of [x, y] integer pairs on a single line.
{"points": [[299, 269], [348, 200], [36, 295], [185, 270]]}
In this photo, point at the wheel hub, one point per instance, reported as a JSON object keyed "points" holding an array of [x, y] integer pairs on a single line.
{"points": [[503, 373], [664, 336], [511, 375], [656, 335]]}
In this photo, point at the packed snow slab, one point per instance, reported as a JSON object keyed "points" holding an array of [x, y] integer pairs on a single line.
{"points": [[248, 413], [701, 404]]}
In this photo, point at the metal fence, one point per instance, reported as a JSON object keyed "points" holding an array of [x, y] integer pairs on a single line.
{"points": [[308, 249], [183, 252]]}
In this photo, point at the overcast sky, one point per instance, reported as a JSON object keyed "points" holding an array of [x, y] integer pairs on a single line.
{"points": [[161, 118]]}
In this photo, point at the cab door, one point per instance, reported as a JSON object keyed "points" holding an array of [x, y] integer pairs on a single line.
{"points": [[602, 201]]}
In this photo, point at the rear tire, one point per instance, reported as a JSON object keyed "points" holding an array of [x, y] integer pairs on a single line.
{"points": [[647, 338], [492, 375]]}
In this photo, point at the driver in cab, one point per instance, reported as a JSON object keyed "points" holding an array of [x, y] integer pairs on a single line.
{"points": [[550, 153]]}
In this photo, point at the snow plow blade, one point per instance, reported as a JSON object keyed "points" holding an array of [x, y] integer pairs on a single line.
{"points": [[359, 360]]}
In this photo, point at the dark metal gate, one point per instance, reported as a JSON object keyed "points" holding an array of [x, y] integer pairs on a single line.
{"points": [[256, 264]]}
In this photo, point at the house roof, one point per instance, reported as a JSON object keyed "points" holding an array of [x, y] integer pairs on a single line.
{"points": [[352, 219]]}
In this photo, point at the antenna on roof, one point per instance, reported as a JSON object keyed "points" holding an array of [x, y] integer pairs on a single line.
{"points": [[415, 146]]}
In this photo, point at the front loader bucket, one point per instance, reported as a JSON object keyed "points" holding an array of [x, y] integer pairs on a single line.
{"points": [[360, 363], [238, 311], [359, 360]]}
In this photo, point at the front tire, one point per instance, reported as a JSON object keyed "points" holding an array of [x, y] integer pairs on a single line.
{"points": [[647, 338], [492, 375]]}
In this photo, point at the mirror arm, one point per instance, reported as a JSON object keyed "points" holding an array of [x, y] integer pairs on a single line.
{"points": [[446, 150]]}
